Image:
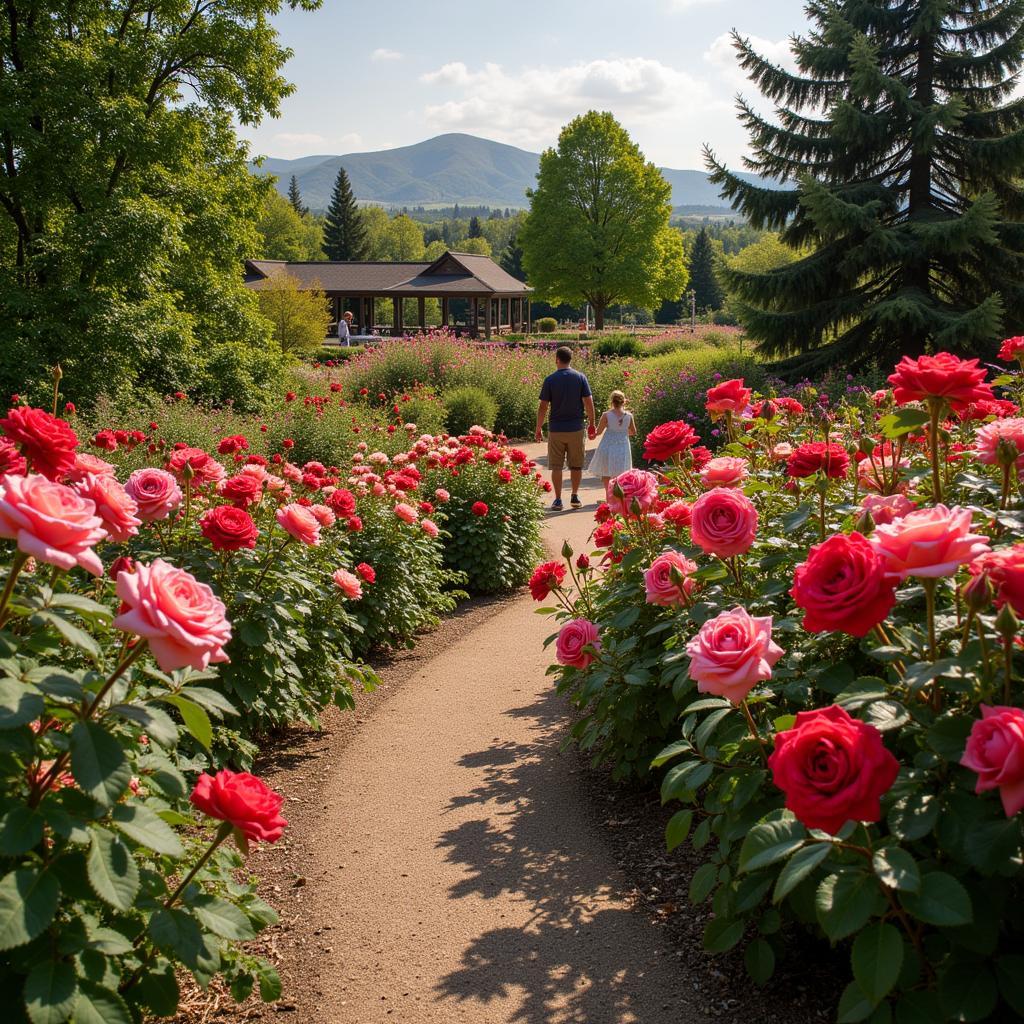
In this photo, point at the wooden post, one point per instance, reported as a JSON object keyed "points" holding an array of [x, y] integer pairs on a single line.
{"points": [[423, 313], [475, 302], [489, 303], [396, 318], [529, 315], [444, 312]]}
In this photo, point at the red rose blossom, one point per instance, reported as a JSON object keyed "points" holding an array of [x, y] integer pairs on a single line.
{"points": [[546, 577], [479, 508], [816, 456], [228, 528], [942, 376], [12, 462], [669, 439], [729, 396], [47, 443], [245, 801], [367, 572], [242, 490]]}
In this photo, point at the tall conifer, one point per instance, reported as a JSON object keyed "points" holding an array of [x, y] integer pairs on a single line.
{"points": [[902, 136], [703, 280], [344, 230], [295, 197]]}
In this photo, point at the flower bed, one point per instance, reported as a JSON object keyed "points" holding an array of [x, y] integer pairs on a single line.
{"points": [[815, 632], [165, 603]]}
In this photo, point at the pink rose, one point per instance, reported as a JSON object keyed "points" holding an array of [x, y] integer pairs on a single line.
{"points": [[114, 505], [155, 492], [724, 471], [429, 527], [324, 515], [300, 522], [86, 464], [781, 452], [986, 441], [442, 495], [183, 620], [723, 522], [995, 750], [729, 396], [732, 653], [668, 582], [406, 512], [205, 468], [634, 485], [348, 583], [928, 542], [50, 522], [574, 639], [886, 509]]}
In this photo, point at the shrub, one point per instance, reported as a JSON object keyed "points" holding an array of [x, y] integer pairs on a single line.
{"points": [[298, 319], [470, 407], [248, 378], [617, 346], [545, 325]]}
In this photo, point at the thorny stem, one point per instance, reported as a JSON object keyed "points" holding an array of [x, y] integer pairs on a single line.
{"points": [[753, 729], [935, 408], [20, 558]]}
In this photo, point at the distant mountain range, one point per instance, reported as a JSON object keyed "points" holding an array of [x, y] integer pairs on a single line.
{"points": [[453, 168]]}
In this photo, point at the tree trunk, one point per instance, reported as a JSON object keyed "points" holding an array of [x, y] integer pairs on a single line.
{"points": [[598, 317]]}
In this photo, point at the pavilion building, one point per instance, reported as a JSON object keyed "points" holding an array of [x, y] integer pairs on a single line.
{"points": [[491, 300]]}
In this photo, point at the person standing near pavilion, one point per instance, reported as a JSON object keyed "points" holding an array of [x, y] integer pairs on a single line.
{"points": [[566, 392], [344, 333]]}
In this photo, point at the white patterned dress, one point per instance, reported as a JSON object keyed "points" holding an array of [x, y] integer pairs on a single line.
{"points": [[613, 455]]}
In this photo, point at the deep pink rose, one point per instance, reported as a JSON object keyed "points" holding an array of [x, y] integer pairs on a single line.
{"points": [[634, 485], [995, 750], [114, 505], [945, 376], [155, 492], [729, 396], [723, 522], [1009, 431], [928, 542], [724, 471], [1004, 568], [300, 523], [662, 582], [183, 620], [573, 639], [50, 522], [732, 653], [205, 468], [243, 800], [888, 508]]}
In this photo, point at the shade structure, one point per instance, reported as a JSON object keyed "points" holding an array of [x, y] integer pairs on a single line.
{"points": [[496, 300]]}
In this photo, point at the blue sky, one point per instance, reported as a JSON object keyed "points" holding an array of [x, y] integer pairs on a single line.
{"points": [[374, 75]]}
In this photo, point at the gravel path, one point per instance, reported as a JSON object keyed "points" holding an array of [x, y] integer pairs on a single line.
{"points": [[455, 872]]}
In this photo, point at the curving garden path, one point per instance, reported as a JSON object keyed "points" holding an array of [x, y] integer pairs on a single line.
{"points": [[457, 874]]}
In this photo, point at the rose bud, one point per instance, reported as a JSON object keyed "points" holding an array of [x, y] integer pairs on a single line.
{"points": [[120, 565], [978, 593], [1007, 623]]}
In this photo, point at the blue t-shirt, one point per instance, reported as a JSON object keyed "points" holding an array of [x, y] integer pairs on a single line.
{"points": [[565, 389]]}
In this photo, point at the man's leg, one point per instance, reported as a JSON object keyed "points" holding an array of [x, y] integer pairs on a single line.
{"points": [[556, 482], [577, 454], [576, 476], [556, 460]]}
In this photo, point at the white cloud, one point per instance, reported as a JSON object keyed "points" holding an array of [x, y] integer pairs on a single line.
{"points": [[382, 53], [721, 56]]}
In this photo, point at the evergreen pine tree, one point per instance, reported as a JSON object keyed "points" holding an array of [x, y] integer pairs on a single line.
{"points": [[901, 133], [702, 273], [475, 230], [344, 230], [295, 197]]}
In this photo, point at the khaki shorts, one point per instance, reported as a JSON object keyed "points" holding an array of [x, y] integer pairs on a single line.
{"points": [[566, 445]]}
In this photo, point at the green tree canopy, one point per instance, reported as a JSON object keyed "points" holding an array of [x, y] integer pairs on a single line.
{"points": [[345, 230], [299, 319], [287, 235], [126, 203], [598, 227], [900, 129]]}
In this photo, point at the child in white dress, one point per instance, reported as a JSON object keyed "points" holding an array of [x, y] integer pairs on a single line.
{"points": [[613, 455]]}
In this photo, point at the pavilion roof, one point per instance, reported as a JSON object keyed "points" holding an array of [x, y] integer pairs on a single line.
{"points": [[453, 273]]}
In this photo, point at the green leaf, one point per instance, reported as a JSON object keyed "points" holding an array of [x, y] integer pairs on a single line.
{"points": [[29, 898], [1010, 973], [223, 918], [21, 829], [83, 605], [902, 422], [678, 829], [968, 992], [20, 703], [877, 959], [794, 520], [948, 736], [98, 763], [721, 934], [196, 720], [918, 1008], [98, 1005], [914, 816], [759, 958], [159, 725], [113, 873], [897, 869], [854, 1005], [798, 867], [941, 900], [74, 635], [270, 983], [770, 841], [703, 881], [845, 903], [671, 751], [50, 992], [158, 989], [177, 932], [147, 828]]}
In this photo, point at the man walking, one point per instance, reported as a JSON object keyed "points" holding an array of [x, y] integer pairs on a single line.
{"points": [[345, 329], [566, 392]]}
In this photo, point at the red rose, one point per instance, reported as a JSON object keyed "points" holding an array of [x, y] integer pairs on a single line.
{"points": [[604, 535], [843, 586], [603, 512], [242, 490], [729, 396], [228, 528], [545, 578], [46, 442], [1012, 348], [1005, 568], [235, 443], [342, 502], [479, 508], [668, 439], [249, 804], [105, 440], [122, 563], [832, 768], [367, 572], [12, 462], [943, 376], [205, 468], [816, 456], [354, 524]]}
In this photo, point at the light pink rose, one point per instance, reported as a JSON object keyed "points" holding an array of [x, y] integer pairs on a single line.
{"points": [[379, 490], [406, 512], [429, 527], [781, 452], [114, 505], [928, 542], [723, 522], [662, 589], [291, 472], [183, 620], [573, 638], [50, 522], [324, 515], [732, 653], [986, 441], [995, 750], [300, 522], [634, 485], [442, 495], [348, 583], [724, 471], [86, 464], [155, 492], [885, 509]]}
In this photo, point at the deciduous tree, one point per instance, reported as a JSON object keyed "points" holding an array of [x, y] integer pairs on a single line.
{"points": [[598, 227], [286, 235], [299, 319]]}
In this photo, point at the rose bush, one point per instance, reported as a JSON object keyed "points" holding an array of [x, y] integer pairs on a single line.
{"points": [[824, 666]]}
